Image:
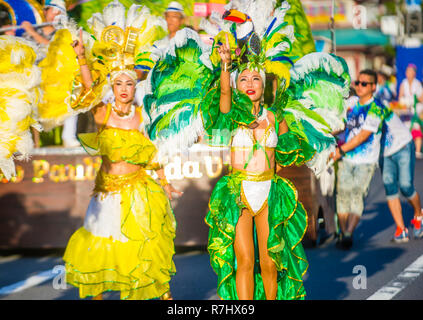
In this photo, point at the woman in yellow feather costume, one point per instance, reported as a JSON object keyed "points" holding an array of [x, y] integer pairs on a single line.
{"points": [[126, 242]]}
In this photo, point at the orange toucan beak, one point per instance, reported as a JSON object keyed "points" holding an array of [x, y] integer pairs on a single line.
{"points": [[235, 16]]}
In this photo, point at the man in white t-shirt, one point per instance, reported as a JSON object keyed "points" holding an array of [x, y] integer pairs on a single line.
{"points": [[360, 156]]}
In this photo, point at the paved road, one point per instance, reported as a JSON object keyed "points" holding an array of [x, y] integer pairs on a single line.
{"points": [[374, 267]]}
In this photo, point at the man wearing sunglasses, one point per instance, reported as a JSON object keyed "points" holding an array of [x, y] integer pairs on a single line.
{"points": [[360, 155]]}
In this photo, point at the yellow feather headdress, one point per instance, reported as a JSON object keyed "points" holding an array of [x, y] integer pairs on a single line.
{"points": [[117, 41], [123, 42]]}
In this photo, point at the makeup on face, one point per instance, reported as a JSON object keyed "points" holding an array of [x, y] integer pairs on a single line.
{"points": [[124, 89], [251, 83]]}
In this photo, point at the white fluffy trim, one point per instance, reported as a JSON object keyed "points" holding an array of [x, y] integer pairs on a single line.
{"points": [[314, 61], [181, 141]]}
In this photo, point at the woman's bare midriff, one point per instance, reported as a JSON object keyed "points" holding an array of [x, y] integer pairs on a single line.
{"points": [[121, 167], [258, 162], [118, 168]]}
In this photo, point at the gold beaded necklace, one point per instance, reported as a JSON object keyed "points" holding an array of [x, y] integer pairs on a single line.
{"points": [[122, 114]]}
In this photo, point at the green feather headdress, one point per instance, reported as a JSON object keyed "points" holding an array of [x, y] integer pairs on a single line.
{"points": [[259, 37]]}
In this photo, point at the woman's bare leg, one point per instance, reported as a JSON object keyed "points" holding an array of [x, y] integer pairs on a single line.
{"points": [[98, 297], [267, 266], [244, 252], [166, 296]]}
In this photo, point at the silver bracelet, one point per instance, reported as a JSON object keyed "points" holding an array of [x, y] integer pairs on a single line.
{"points": [[226, 67]]}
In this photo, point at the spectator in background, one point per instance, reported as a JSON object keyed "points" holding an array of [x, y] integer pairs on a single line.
{"points": [[397, 163], [174, 16], [360, 155], [53, 10], [383, 90], [418, 117], [410, 89]]}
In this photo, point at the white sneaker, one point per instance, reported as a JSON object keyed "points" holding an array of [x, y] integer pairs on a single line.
{"points": [[419, 155]]}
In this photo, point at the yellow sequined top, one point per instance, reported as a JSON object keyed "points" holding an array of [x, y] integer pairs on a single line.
{"points": [[118, 144]]}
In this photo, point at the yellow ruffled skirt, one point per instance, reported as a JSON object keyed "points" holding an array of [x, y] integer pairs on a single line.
{"points": [[126, 243]]}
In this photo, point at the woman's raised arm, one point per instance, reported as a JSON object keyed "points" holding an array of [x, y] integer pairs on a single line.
{"points": [[79, 48], [225, 77]]}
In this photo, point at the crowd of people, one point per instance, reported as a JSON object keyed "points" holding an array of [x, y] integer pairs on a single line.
{"points": [[376, 136]]}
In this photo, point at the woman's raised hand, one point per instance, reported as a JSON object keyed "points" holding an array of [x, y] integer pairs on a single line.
{"points": [[225, 51], [78, 45]]}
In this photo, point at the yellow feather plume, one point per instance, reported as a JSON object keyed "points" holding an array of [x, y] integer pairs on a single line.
{"points": [[221, 38], [59, 70], [19, 78], [279, 69]]}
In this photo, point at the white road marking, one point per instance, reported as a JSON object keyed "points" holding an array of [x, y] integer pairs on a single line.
{"points": [[395, 286], [9, 259], [28, 283]]}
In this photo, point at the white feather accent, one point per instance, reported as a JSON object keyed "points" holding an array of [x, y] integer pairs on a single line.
{"points": [[7, 167], [216, 18], [317, 125], [314, 61], [181, 141], [157, 111], [21, 81], [96, 24], [136, 15], [25, 145], [240, 5], [244, 29], [289, 32], [281, 47], [209, 26], [331, 116], [320, 161], [16, 56], [72, 26], [114, 14], [145, 117], [334, 120], [260, 12]]}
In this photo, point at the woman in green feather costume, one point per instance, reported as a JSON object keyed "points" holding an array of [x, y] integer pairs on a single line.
{"points": [[256, 221]]}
